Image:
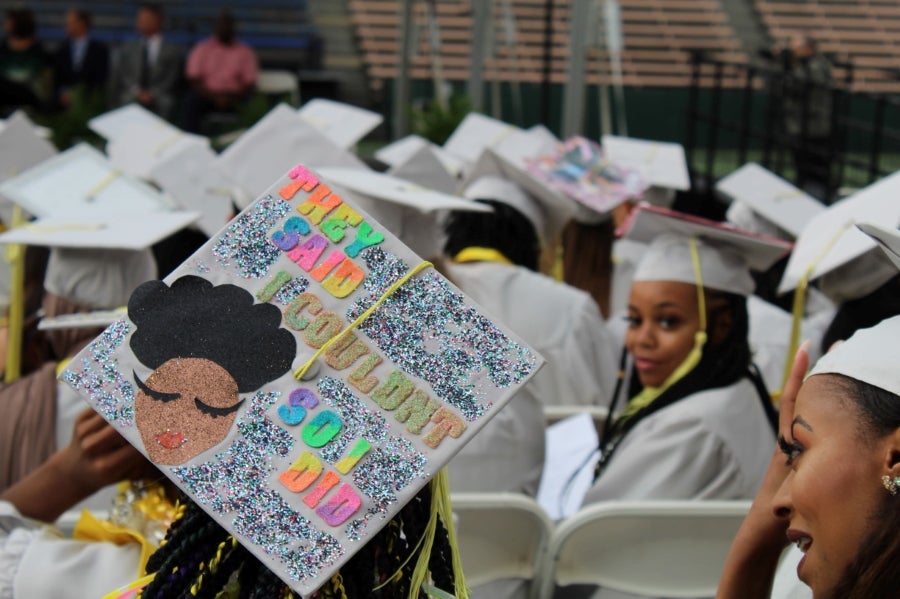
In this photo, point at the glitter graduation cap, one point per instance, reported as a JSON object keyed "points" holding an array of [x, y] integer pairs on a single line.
{"points": [[321, 374]]}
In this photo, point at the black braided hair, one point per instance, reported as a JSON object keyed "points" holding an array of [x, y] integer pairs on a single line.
{"points": [[183, 560], [505, 229]]}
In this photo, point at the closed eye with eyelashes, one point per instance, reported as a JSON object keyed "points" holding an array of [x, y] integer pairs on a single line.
{"points": [[152, 393], [214, 411]]}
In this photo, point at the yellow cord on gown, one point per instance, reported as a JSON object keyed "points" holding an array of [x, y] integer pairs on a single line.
{"points": [[799, 306], [15, 255], [649, 394], [298, 374]]}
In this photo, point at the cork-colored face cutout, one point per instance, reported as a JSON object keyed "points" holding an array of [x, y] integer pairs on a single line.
{"points": [[185, 407]]}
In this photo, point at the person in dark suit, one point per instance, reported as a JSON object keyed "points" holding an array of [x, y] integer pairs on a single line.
{"points": [[148, 70], [79, 62]]}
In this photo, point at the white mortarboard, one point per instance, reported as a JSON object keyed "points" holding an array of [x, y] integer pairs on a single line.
{"points": [[869, 355], [547, 208], [580, 169], [81, 181], [20, 149], [273, 146], [727, 254], [100, 231], [661, 164], [344, 124], [117, 122], [758, 194], [475, 134], [403, 149], [888, 239], [406, 209], [141, 147], [830, 241], [425, 168], [193, 180]]}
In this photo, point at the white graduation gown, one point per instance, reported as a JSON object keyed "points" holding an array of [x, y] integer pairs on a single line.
{"points": [[35, 561], [714, 444], [562, 323]]}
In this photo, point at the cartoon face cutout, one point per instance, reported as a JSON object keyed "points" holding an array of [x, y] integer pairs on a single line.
{"points": [[184, 407], [206, 347]]}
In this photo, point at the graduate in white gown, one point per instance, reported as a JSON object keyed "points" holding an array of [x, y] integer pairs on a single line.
{"points": [[698, 422]]}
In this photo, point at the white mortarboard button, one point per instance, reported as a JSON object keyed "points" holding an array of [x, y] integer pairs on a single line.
{"points": [[830, 240], [402, 150], [727, 254], [78, 182], [343, 124], [475, 134], [548, 208], [580, 169], [888, 239], [20, 149], [195, 183], [758, 194], [273, 146], [869, 355], [406, 209]]}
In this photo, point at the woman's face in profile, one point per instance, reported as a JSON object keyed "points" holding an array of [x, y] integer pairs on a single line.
{"points": [[662, 320], [834, 487]]}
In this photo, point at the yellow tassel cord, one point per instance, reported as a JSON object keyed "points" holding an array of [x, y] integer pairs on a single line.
{"points": [[559, 265], [15, 255], [649, 394], [481, 254], [222, 551], [298, 374], [103, 184], [799, 306]]}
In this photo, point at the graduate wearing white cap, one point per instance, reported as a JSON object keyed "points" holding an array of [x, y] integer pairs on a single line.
{"points": [[493, 258], [764, 203], [698, 423]]}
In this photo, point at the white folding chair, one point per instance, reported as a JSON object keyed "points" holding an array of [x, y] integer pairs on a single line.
{"points": [[279, 83], [653, 548], [500, 536]]}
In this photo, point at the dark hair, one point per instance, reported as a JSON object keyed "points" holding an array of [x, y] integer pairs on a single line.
{"points": [[154, 7], [505, 229], [863, 313], [721, 364], [874, 572], [194, 540], [83, 16], [23, 22], [194, 319]]}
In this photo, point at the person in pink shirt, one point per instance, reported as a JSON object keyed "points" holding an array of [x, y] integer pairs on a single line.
{"points": [[221, 72]]}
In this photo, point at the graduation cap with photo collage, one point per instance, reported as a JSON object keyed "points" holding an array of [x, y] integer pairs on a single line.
{"points": [[321, 374]]}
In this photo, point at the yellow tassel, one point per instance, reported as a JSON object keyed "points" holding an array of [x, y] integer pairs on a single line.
{"points": [[441, 493]]}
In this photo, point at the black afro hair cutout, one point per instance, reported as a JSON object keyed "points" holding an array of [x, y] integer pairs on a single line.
{"points": [[194, 319]]}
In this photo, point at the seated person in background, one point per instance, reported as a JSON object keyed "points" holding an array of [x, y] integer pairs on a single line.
{"points": [[80, 62], [221, 72], [25, 75], [147, 70], [832, 484]]}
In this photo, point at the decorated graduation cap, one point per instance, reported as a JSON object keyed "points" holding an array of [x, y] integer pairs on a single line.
{"points": [[762, 201], [81, 181], [661, 164], [273, 145], [301, 377], [726, 254], [844, 259], [20, 149], [408, 209], [497, 176], [343, 124], [580, 169], [403, 151]]}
